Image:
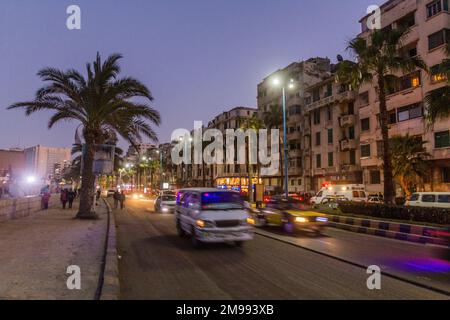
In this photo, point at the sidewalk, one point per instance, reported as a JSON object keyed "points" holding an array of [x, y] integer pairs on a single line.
{"points": [[36, 251]]}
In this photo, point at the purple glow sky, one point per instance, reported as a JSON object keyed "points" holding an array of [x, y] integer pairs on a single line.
{"points": [[199, 57]]}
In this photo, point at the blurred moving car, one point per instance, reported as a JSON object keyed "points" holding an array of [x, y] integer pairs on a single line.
{"points": [[137, 195], [212, 216], [286, 213], [165, 203], [429, 200]]}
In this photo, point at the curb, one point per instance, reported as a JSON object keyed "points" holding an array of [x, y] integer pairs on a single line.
{"points": [[393, 230], [109, 285]]}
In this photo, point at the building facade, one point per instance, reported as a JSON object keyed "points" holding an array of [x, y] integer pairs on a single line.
{"points": [[429, 31], [304, 74], [44, 162], [12, 168]]}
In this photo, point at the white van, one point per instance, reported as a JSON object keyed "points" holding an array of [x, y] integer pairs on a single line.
{"points": [[429, 200], [352, 192], [212, 216]]}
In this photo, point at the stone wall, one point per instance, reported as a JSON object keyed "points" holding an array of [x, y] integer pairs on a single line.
{"points": [[23, 207]]}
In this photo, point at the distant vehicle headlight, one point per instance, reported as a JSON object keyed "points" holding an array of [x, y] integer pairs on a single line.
{"points": [[301, 220], [250, 221], [135, 196]]}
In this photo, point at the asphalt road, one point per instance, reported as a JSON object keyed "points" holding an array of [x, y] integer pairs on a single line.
{"points": [[156, 264]]}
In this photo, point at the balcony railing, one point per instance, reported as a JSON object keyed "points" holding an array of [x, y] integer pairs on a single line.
{"points": [[347, 120], [348, 145], [347, 96]]}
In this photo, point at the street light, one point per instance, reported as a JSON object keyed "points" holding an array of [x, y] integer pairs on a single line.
{"points": [[290, 85], [31, 179]]}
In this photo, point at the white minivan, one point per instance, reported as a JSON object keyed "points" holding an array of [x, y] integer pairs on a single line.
{"points": [[429, 200], [212, 216], [352, 192]]}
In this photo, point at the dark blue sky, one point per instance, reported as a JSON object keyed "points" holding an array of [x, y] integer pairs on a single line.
{"points": [[199, 57]]}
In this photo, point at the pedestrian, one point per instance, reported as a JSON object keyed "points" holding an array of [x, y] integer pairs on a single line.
{"points": [[64, 198], [122, 200], [116, 198], [70, 197], [45, 200]]}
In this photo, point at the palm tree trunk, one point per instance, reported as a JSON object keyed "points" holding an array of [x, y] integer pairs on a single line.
{"points": [[387, 166], [87, 184]]}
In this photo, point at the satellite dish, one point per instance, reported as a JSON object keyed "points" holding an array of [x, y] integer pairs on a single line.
{"points": [[339, 58]]}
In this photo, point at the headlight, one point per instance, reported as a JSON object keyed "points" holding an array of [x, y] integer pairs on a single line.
{"points": [[301, 220], [250, 221], [135, 196], [204, 224], [141, 196]]}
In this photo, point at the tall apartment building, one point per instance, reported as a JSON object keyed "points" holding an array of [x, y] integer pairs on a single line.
{"points": [[42, 161], [429, 30], [232, 176], [141, 149], [330, 152], [305, 74]]}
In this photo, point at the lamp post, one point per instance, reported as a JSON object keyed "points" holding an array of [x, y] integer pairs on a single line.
{"points": [[290, 85]]}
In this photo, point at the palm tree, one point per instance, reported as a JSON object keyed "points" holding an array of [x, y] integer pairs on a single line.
{"points": [[273, 119], [409, 161], [253, 123], [101, 103], [379, 59], [437, 102]]}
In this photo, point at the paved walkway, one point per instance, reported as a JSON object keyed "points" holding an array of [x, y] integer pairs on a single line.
{"points": [[36, 251]]}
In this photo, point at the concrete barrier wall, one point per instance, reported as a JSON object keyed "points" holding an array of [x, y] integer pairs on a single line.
{"points": [[23, 207]]}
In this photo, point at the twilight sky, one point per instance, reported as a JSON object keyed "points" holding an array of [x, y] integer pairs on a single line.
{"points": [[198, 57]]}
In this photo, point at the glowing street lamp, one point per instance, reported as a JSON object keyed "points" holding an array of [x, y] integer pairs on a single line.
{"points": [[289, 85], [31, 179]]}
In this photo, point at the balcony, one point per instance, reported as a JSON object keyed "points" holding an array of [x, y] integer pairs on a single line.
{"points": [[294, 135], [321, 103], [295, 153], [347, 120], [295, 171], [349, 168], [348, 145], [346, 96]]}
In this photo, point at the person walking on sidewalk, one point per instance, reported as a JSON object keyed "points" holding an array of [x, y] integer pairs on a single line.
{"points": [[63, 198], [45, 199], [116, 198], [122, 200], [70, 197]]}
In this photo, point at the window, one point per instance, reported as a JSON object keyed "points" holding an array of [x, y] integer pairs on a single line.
{"points": [[351, 133], [316, 95], [380, 149], [365, 124], [435, 7], [414, 197], [375, 177], [428, 198], [329, 91], [316, 116], [330, 136], [364, 98], [351, 108], [352, 157], [392, 117], [406, 82], [436, 75], [318, 142], [446, 175], [407, 21], [330, 159], [329, 114], [439, 38], [318, 161], [410, 112], [442, 139], [444, 198], [365, 151]]}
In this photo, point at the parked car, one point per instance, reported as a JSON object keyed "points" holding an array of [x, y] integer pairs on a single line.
{"points": [[429, 200], [165, 203], [212, 216], [331, 202], [286, 213], [353, 192], [375, 199]]}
